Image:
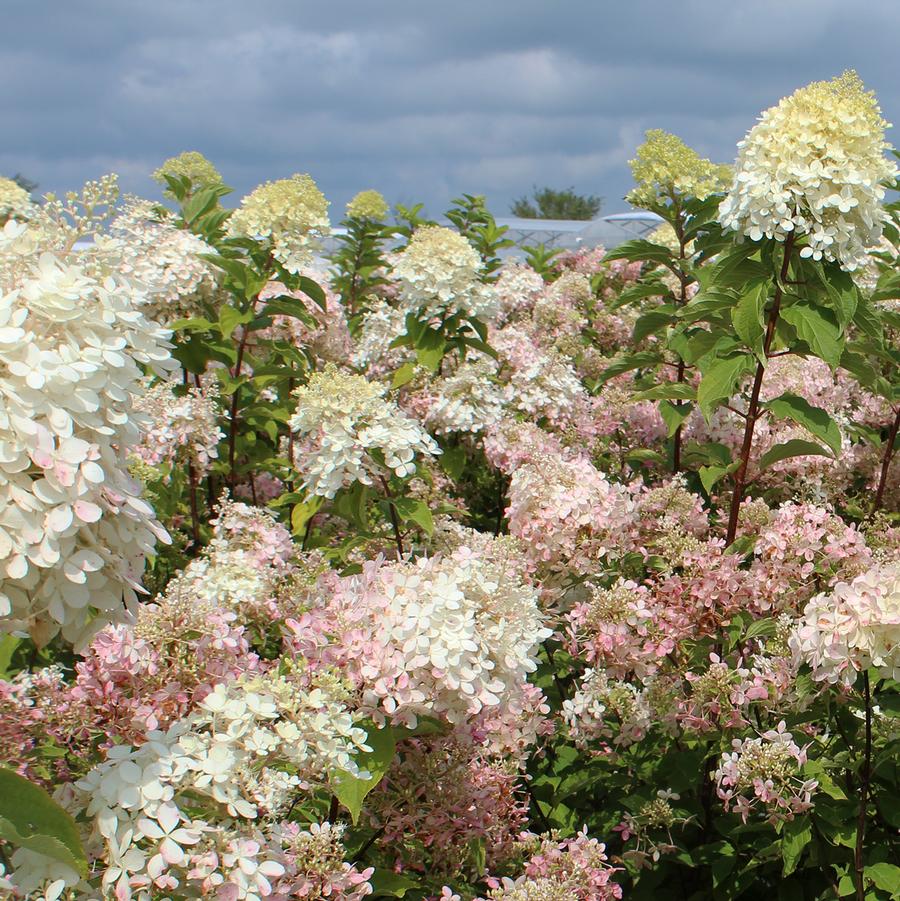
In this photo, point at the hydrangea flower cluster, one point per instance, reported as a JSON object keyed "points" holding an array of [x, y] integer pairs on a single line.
{"points": [[166, 260], [445, 637], [15, 201], [344, 419], [182, 427], [249, 746], [764, 772], [665, 169], [291, 212], [192, 165], [439, 275], [853, 627], [814, 166], [367, 205], [74, 531]]}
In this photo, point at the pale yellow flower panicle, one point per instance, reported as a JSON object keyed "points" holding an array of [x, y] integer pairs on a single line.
{"points": [[367, 205], [15, 201], [292, 212], [665, 168], [191, 164], [814, 165]]}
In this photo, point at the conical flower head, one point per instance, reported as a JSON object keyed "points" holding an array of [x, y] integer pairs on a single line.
{"points": [[664, 168], [814, 165]]}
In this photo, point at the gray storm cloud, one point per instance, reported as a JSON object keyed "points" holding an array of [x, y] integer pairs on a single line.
{"points": [[422, 101]]}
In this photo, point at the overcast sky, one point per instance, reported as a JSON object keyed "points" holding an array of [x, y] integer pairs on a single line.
{"points": [[421, 100]]}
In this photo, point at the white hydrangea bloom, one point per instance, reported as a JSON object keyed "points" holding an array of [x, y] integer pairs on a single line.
{"points": [[381, 324], [469, 400], [855, 627], [246, 738], [460, 633], [164, 259], [74, 531], [814, 165], [181, 426], [343, 418], [438, 276], [292, 212]]}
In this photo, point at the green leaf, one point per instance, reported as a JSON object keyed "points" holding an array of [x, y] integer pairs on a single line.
{"points": [[30, 818], [667, 391], [640, 250], [453, 461], [720, 381], [760, 628], [748, 317], [303, 513], [411, 510], [814, 419], [796, 836], [403, 375], [8, 645], [350, 790], [312, 289], [842, 293], [626, 364], [796, 447], [652, 322], [709, 475], [886, 876], [818, 328], [230, 319], [674, 416], [396, 885]]}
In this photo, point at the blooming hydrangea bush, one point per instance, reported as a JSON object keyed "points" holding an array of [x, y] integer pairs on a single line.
{"points": [[487, 581]]}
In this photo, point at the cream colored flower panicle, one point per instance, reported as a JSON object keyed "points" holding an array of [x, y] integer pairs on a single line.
{"points": [[438, 275], [190, 164], [166, 260], [15, 201], [814, 165], [343, 418], [74, 530], [292, 212], [368, 205], [665, 168]]}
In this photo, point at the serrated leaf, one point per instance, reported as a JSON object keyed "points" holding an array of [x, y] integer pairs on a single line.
{"points": [[396, 885], [230, 319], [796, 447], [720, 381], [674, 416], [710, 475], [667, 391], [351, 790], [626, 364], [814, 419], [412, 510], [30, 818], [886, 876], [748, 317], [403, 375], [652, 322], [797, 834], [818, 328]]}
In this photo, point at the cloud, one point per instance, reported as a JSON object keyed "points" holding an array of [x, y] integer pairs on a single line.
{"points": [[422, 101]]}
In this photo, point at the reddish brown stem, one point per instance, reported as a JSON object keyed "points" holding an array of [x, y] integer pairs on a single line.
{"points": [[886, 463], [740, 476], [233, 411]]}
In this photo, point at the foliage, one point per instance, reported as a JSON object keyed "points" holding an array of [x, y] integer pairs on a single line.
{"points": [[550, 203]]}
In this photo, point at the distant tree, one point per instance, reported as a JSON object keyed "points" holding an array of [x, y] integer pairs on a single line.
{"points": [[548, 203], [26, 184]]}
